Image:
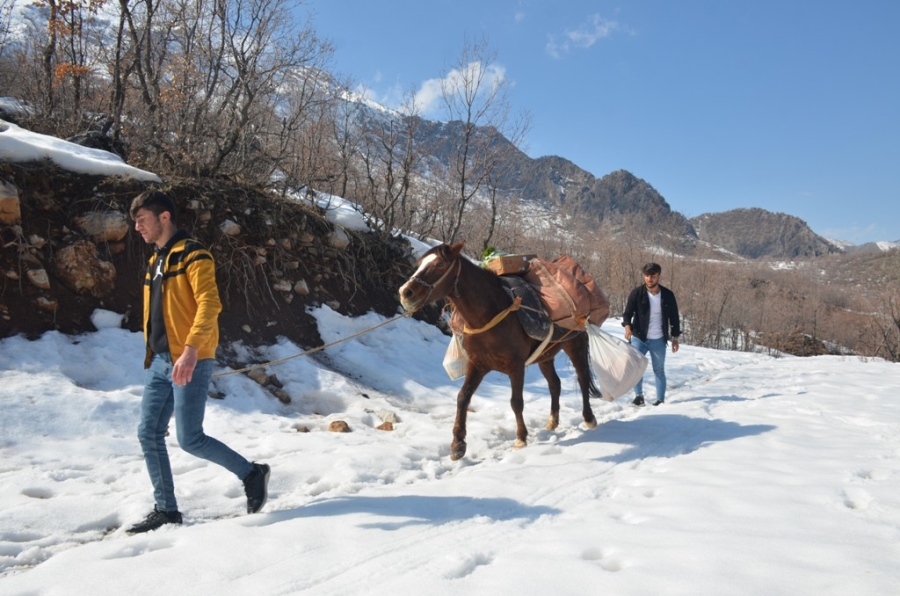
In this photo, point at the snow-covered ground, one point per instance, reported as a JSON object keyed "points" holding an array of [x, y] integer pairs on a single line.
{"points": [[20, 145], [761, 476]]}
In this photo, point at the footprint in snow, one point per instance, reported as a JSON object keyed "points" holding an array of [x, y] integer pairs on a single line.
{"points": [[858, 499], [468, 565], [605, 561]]}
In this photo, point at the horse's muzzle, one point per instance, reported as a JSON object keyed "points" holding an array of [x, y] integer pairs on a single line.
{"points": [[408, 299]]}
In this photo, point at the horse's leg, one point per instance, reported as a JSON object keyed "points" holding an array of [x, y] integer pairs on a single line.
{"points": [[577, 350], [474, 377], [549, 372], [517, 401]]}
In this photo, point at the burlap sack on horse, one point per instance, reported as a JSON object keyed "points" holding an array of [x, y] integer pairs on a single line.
{"points": [[573, 299], [568, 292]]}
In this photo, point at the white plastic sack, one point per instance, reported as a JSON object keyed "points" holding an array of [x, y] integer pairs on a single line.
{"points": [[617, 364], [456, 359]]}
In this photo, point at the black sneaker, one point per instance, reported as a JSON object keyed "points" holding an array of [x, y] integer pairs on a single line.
{"points": [[155, 520], [256, 487], [658, 402], [638, 401]]}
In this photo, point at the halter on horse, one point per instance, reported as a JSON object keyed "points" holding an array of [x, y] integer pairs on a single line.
{"points": [[493, 340]]}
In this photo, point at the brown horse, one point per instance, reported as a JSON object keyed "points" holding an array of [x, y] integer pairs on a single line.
{"points": [[479, 297]]}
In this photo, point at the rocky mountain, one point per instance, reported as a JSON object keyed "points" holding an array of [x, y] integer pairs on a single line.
{"points": [[873, 247], [621, 201], [614, 201], [756, 233]]}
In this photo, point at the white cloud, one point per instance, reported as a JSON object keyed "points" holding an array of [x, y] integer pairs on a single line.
{"points": [[584, 36], [429, 96], [855, 233], [553, 48], [587, 35]]}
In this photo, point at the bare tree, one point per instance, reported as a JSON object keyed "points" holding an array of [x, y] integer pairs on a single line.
{"points": [[390, 165], [142, 48], [484, 135], [6, 9], [884, 327], [347, 130], [55, 62], [218, 81], [7, 70]]}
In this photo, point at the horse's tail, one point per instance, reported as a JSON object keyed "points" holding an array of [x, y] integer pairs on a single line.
{"points": [[593, 389]]}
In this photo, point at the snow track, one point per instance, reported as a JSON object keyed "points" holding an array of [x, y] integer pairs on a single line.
{"points": [[759, 476]]}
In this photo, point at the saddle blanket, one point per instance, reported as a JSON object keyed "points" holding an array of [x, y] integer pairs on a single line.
{"points": [[531, 313]]}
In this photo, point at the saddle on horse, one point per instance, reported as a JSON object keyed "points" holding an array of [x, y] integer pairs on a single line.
{"points": [[531, 314], [558, 294]]}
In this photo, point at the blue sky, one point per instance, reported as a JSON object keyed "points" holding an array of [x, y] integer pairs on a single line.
{"points": [[792, 106]]}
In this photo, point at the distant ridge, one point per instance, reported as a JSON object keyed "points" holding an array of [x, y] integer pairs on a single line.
{"points": [[873, 247], [756, 233], [622, 202]]}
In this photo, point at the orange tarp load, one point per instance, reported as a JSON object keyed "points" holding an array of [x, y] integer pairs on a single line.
{"points": [[569, 293]]}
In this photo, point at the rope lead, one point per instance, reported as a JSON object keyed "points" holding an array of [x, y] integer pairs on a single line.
{"points": [[307, 352]]}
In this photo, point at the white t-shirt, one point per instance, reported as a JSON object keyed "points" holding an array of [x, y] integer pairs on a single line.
{"points": [[655, 330]]}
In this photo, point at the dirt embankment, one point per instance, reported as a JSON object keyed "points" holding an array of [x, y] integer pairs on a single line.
{"points": [[283, 260]]}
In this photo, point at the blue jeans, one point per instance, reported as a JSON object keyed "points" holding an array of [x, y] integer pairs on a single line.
{"points": [[161, 399], [657, 349]]}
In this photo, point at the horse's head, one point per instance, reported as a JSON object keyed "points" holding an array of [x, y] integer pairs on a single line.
{"points": [[434, 278]]}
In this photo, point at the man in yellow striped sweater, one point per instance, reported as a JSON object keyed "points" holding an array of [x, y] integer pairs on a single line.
{"points": [[181, 331]]}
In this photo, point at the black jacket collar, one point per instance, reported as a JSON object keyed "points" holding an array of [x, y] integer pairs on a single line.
{"points": [[179, 235]]}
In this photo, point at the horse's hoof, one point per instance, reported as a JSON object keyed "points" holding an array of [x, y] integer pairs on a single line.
{"points": [[520, 443], [592, 423], [457, 450], [552, 422]]}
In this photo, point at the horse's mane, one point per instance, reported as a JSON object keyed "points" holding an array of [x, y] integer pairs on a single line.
{"points": [[482, 286], [488, 278], [485, 273]]}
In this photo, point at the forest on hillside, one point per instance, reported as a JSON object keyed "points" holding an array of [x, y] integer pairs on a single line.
{"points": [[242, 90]]}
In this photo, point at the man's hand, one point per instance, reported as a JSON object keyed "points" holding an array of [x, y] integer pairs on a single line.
{"points": [[674, 345], [183, 369], [627, 332]]}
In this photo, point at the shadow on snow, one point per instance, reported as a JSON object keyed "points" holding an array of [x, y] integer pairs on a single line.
{"points": [[665, 435], [416, 510]]}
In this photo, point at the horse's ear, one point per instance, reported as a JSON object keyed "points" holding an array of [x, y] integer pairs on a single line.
{"points": [[455, 249]]}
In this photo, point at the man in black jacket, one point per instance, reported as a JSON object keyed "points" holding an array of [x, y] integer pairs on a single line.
{"points": [[650, 319]]}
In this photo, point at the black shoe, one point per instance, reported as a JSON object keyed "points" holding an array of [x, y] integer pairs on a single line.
{"points": [[256, 487], [155, 520], [658, 402], [638, 401]]}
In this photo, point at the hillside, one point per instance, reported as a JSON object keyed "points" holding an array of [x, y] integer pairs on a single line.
{"points": [[285, 258], [756, 233]]}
